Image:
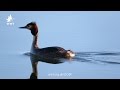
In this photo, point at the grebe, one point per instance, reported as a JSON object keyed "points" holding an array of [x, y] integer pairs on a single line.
{"points": [[48, 52]]}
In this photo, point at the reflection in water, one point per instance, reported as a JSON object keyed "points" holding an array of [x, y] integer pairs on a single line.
{"points": [[35, 59], [87, 57]]}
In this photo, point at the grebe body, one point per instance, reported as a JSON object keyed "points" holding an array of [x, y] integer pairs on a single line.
{"points": [[50, 52]]}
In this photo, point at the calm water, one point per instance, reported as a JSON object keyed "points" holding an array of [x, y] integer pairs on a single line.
{"points": [[85, 65], [97, 55]]}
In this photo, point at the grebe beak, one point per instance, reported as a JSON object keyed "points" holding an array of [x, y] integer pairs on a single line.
{"points": [[23, 27]]}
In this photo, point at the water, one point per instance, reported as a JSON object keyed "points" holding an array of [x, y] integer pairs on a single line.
{"points": [[96, 46], [85, 65]]}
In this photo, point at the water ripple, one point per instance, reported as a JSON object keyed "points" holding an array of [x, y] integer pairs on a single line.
{"points": [[95, 57], [98, 57]]}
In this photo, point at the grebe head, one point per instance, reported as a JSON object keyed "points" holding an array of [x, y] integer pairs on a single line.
{"points": [[32, 27]]}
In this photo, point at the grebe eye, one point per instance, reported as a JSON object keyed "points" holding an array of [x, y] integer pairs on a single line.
{"points": [[29, 26]]}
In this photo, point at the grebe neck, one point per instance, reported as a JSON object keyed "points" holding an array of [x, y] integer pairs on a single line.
{"points": [[35, 41]]}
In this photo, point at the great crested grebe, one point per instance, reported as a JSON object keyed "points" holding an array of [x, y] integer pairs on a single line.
{"points": [[50, 52]]}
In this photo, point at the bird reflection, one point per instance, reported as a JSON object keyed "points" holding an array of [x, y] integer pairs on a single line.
{"points": [[36, 58]]}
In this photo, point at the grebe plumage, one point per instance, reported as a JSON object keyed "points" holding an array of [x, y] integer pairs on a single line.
{"points": [[50, 52]]}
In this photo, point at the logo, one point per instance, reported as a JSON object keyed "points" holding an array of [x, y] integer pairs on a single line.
{"points": [[10, 20]]}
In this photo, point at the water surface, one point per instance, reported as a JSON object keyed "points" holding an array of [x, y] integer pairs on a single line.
{"points": [[93, 36]]}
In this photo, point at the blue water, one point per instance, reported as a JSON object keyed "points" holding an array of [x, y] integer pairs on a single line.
{"points": [[85, 65], [96, 45]]}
